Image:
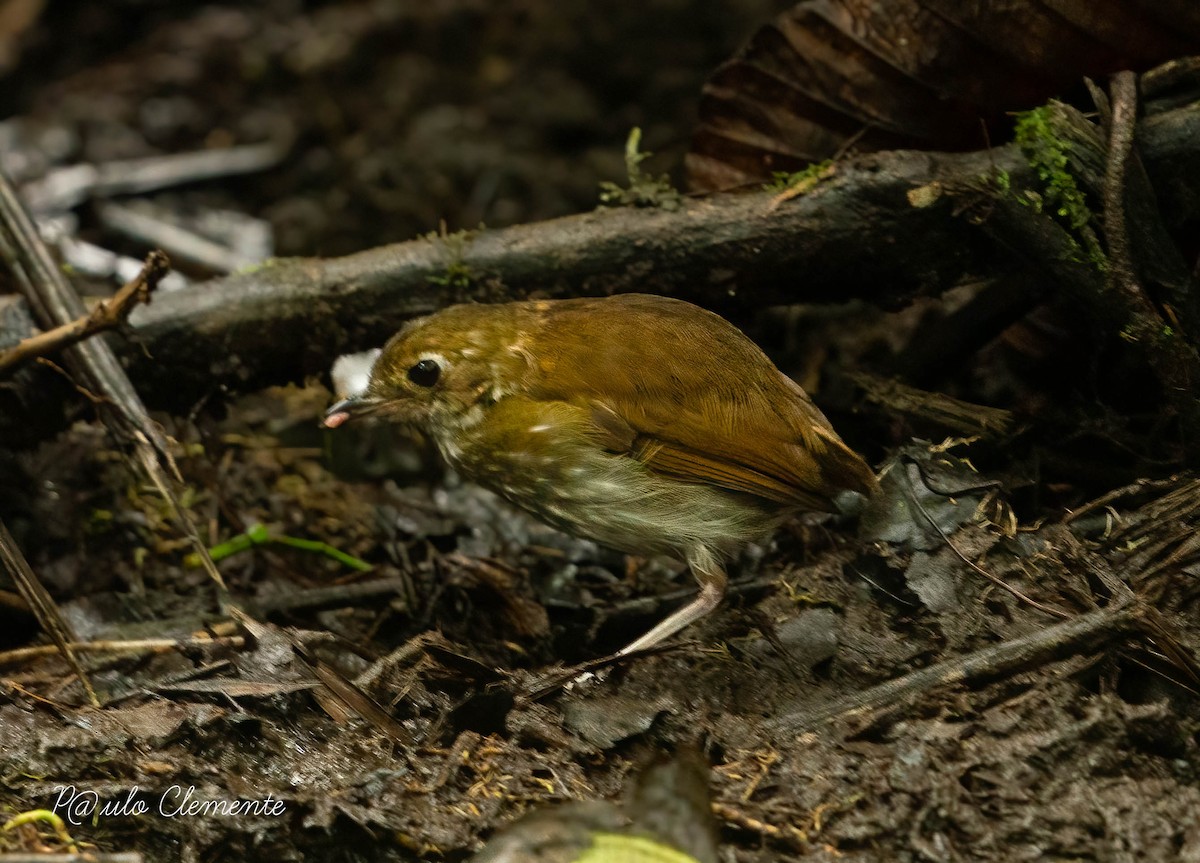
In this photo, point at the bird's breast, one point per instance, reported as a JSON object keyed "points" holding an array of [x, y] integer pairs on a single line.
{"points": [[563, 477]]}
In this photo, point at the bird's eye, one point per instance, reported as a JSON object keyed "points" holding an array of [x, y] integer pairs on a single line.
{"points": [[425, 373]]}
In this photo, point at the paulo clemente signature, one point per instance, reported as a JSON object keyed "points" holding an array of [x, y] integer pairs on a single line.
{"points": [[80, 805]]}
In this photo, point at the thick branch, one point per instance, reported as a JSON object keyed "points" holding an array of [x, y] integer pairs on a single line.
{"points": [[855, 235], [852, 236]]}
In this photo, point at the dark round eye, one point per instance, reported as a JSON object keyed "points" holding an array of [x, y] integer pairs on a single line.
{"points": [[425, 373]]}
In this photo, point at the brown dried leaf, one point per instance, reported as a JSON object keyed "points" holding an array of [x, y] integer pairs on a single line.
{"points": [[886, 74]]}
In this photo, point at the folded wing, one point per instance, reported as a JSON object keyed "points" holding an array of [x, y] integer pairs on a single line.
{"points": [[683, 391]]}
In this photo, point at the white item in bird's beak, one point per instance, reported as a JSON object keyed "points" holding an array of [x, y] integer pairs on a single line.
{"points": [[352, 372]]}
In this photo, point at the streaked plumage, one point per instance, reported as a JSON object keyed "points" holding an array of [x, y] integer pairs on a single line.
{"points": [[645, 423]]}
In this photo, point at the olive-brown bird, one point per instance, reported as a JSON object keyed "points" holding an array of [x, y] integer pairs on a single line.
{"points": [[644, 423]]}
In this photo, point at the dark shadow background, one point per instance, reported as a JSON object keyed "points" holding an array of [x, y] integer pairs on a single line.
{"points": [[403, 114]]}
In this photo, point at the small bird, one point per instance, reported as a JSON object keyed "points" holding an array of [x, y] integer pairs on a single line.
{"points": [[647, 424]]}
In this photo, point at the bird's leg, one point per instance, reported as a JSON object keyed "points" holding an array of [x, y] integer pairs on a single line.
{"points": [[711, 574]]}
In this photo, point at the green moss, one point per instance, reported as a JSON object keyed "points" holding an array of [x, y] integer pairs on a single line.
{"points": [[799, 181], [457, 273], [99, 521], [1050, 158], [645, 190], [250, 269]]}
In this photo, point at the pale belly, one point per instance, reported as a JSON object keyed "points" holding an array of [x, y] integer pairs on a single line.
{"points": [[617, 502]]}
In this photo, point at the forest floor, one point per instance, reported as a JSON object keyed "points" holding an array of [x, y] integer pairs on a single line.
{"points": [[1038, 715]]}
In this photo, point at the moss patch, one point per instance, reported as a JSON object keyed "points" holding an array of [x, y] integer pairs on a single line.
{"points": [[1049, 156]]}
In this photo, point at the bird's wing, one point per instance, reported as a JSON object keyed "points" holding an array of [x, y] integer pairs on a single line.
{"points": [[692, 398], [792, 474]]}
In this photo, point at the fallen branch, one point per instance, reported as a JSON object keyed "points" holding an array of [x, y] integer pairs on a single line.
{"points": [[854, 236], [107, 315], [1082, 634], [65, 188], [936, 409]]}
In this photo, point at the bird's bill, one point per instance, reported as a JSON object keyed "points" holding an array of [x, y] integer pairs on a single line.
{"points": [[347, 409]]}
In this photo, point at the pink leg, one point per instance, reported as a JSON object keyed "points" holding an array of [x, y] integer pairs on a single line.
{"points": [[711, 575]]}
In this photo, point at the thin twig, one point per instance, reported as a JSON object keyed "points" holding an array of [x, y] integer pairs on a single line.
{"points": [[345, 693], [142, 646], [1137, 487], [788, 835], [94, 362], [1120, 148], [97, 401], [42, 605], [1176, 363], [108, 314], [1150, 620], [149, 457], [996, 580]]}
